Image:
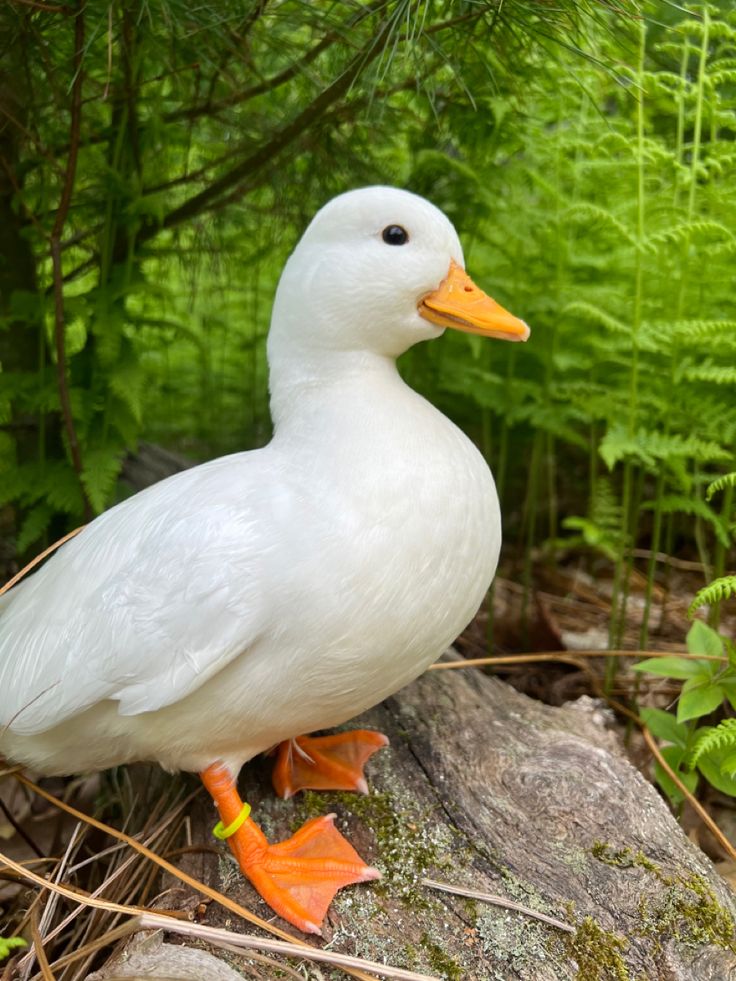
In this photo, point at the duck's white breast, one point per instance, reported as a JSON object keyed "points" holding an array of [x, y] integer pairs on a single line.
{"points": [[393, 532]]}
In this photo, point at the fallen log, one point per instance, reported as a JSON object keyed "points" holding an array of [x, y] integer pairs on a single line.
{"points": [[487, 789]]}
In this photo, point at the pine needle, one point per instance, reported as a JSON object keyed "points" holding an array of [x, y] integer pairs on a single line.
{"points": [[566, 656], [193, 883], [487, 897], [145, 920], [39, 558]]}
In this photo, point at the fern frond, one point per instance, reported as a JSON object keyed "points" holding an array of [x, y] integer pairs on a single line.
{"points": [[34, 525], [601, 216], [101, 469], [686, 232], [722, 75], [721, 483], [675, 504], [591, 312], [715, 373], [715, 592], [722, 737], [650, 447], [704, 330]]}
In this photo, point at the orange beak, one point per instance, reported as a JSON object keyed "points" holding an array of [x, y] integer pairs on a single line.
{"points": [[458, 302]]}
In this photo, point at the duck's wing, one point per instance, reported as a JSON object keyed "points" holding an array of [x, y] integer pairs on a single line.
{"points": [[142, 607]]}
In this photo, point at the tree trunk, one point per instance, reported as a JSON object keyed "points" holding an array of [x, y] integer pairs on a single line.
{"points": [[484, 788]]}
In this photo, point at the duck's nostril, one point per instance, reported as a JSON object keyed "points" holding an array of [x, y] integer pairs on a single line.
{"points": [[468, 289]]}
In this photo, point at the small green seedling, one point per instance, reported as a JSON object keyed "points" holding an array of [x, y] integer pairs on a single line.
{"points": [[9, 944]]}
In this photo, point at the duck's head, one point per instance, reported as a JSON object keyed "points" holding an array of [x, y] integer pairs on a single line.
{"points": [[379, 269]]}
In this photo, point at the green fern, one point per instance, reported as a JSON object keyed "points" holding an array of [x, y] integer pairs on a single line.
{"points": [[721, 483], [722, 737], [704, 330], [676, 504], [708, 372], [715, 592]]}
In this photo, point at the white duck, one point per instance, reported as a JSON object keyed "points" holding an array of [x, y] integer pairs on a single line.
{"points": [[272, 593]]}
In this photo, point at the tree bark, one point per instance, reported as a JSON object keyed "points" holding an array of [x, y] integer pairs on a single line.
{"points": [[20, 334], [485, 788]]}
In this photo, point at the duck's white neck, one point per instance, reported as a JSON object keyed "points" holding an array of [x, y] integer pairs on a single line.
{"points": [[299, 377]]}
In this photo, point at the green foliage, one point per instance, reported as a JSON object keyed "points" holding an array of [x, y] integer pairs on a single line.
{"points": [[706, 685], [607, 222]]}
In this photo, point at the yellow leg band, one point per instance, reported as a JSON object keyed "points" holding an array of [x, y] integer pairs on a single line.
{"points": [[222, 832]]}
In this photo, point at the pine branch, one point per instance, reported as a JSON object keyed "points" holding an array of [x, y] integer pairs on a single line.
{"points": [[207, 199], [209, 108]]}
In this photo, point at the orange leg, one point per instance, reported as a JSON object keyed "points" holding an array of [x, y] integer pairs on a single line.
{"points": [[325, 762], [299, 877]]}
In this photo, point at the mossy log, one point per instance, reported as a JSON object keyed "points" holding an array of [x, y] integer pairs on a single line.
{"points": [[485, 788]]}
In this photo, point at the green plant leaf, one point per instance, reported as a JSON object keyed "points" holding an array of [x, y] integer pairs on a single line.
{"points": [[710, 767], [699, 701], [34, 525], [727, 480], [711, 740], [702, 639], [728, 684], [716, 591], [665, 726], [672, 667]]}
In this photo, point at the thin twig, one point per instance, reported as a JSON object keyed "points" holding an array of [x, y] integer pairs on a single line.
{"points": [[209, 108], [214, 935], [269, 962], [487, 897], [43, 962], [124, 866], [19, 829], [105, 941]]}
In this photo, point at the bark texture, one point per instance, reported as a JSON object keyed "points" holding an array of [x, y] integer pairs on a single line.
{"points": [[483, 787]]}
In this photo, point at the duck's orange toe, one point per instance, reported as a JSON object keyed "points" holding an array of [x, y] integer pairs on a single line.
{"points": [[332, 762], [299, 877]]}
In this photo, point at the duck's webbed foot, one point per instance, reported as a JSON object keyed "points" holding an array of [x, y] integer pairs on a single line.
{"points": [[298, 877], [333, 762]]}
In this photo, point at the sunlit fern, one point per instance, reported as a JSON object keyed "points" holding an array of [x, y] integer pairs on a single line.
{"points": [[715, 592]]}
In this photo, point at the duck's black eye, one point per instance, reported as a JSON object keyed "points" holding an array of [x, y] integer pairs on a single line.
{"points": [[395, 235]]}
